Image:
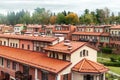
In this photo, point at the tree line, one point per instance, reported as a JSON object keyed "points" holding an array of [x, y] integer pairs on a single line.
{"points": [[43, 16]]}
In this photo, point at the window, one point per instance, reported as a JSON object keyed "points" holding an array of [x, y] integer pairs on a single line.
{"points": [[84, 53], [53, 55], [57, 56], [26, 69], [101, 77], [0, 42], [50, 55], [64, 57], [13, 45], [1, 61], [8, 63], [16, 45], [44, 75], [28, 47], [37, 48], [65, 77], [22, 46], [88, 77], [14, 65], [5, 43], [81, 54], [10, 44]]}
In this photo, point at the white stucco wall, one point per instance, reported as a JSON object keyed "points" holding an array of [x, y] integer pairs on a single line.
{"points": [[75, 58], [15, 41], [77, 76], [115, 31], [54, 42], [4, 39]]}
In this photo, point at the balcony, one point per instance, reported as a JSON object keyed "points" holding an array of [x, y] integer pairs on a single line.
{"points": [[93, 40], [83, 40], [21, 76]]}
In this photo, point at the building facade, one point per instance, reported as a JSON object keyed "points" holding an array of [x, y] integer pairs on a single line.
{"points": [[48, 59]]}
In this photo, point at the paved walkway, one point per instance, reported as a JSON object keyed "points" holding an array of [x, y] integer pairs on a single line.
{"points": [[110, 72]]}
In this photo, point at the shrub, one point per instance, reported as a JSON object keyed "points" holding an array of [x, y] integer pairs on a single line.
{"points": [[106, 50], [116, 64], [113, 59], [119, 59]]}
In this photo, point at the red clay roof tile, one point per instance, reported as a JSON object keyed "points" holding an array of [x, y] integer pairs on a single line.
{"points": [[64, 32], [87, 66], [115, 27], [37, 38], [36, 59], [91, 33], [60, 47], [87, 33]]}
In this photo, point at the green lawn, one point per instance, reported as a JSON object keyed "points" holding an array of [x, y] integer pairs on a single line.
{"points": [[114, 69], [105, 55]]}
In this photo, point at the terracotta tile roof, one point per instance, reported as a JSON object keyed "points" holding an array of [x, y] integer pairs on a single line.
{"points": [[64, 49], [115, 42], [93, 47], [36, 38], [105, 34], [115, 27], [34, 26], [50, 26], [87, 66], [87, 33], [92, 33], [36, 59], [19, 25], [64, 32]]}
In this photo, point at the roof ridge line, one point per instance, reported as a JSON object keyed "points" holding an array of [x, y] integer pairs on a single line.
{"points": [[92, 65], [82, 64]]}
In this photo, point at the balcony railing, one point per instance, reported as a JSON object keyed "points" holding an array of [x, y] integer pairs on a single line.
{"points": [[88, 40], [21, 76]]}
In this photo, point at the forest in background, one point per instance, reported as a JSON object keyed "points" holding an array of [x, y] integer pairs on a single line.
{"points": [[43, 16]]}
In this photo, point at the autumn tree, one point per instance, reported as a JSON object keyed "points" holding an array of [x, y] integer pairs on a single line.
{"points": [[72, 18], [52, 19]]}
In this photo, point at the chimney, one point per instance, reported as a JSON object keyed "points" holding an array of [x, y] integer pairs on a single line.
{"points": [[67, 42], [69, 47]]}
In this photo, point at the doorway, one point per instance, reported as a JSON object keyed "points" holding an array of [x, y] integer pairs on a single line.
{"points": [[88, 77]]}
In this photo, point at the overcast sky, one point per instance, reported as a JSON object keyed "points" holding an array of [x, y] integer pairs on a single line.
{"points": [[77, 6]]}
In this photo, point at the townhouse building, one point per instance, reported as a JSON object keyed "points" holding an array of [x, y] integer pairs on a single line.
{"points": [[18, 28], [47, 30], [96, 35], [32, 30], [27, 42], [66, 30], [45, 58], [115, 36]]}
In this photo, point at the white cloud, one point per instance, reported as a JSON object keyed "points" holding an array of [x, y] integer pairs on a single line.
{"points": [[77, 6]]}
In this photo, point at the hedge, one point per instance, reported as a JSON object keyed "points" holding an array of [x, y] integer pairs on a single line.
{"points": [[106, 50], [116, 64]]}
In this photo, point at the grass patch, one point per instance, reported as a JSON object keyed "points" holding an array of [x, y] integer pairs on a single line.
{"points": [[103, 60], [114, 69], [105, 55]]}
